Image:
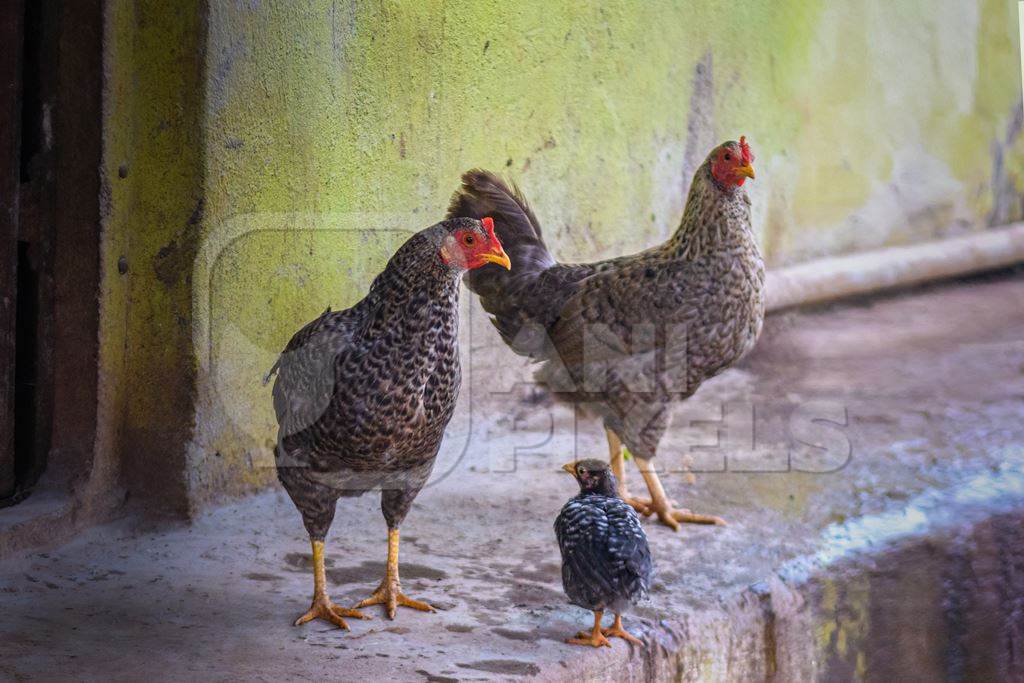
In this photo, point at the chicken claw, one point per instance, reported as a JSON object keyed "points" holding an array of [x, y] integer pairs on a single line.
{"points": [[389, 593], [593, 638], [671, 517], [598, 637], [617, 631], [323, 608], [643, 506], [664, 508]]}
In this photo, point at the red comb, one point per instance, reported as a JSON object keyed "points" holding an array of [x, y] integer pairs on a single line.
{"points": [[748, 156], [488, 225]]}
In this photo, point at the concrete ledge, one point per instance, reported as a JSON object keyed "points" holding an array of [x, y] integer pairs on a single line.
{"points": [[870, 272], [890, 594], [902, 561]]}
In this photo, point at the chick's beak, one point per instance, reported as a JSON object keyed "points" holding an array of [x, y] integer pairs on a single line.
{"points": [[745, 170], [569, 467], [497, 255]]}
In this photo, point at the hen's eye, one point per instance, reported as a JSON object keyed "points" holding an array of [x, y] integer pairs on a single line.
{"points": [[468, 239], [728, 157]]}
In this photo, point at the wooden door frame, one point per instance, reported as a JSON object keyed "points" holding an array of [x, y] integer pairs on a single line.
{"points": [[11, 18], [51, 83]]}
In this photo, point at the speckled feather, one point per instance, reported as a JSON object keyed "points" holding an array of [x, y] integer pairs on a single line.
{"points": [[629, 335], [363, 395], [606, 561]]}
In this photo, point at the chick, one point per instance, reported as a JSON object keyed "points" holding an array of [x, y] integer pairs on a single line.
{"points": [[606, 562]]}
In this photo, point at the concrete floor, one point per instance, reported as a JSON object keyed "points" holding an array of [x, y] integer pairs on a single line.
{"points": [[922, 393]]}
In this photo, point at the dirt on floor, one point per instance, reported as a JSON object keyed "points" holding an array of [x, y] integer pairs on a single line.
{"points": [[848, 429]]}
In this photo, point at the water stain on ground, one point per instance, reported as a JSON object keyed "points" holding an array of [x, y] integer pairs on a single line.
{"points": [[545, 573], [532, 594], [511, 667], [300, 562], [373, 569], [496, 604], [431, 678], [528, 636], [459, 628], [351, 597], [262, 576]]}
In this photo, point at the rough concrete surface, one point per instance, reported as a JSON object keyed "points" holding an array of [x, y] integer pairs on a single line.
{"points": [[907, 547]]}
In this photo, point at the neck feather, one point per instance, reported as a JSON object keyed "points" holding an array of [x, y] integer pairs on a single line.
{"points": [[416, 271], [715, 216], [606, 486]]}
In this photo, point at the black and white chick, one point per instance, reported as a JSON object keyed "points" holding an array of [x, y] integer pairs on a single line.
{"points": [[606, 562]]}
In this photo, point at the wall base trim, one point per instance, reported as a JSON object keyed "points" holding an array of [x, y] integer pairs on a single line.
{"points": [[874, 271]]}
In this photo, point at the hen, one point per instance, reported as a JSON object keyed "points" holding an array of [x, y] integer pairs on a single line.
{"points": [[630, 335], [606, 562], [363, 395]]}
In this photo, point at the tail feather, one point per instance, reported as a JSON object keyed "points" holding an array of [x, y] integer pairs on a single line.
{"points": [[485, 194], [506, 294]]}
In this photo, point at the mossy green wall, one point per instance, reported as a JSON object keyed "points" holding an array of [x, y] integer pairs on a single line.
{"points": [[323, 123], [153, 218]]}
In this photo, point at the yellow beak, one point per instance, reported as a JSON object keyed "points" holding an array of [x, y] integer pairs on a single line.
{"points": [[745, 170], [498, 256], [570, 467]]}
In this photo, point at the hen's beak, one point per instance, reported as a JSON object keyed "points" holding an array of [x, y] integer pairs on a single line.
{"points": [[745, 170], [498, 256], [569, 467]]}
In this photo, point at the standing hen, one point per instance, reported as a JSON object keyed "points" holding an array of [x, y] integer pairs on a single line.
{"points": [[630, 335], [363, 395]]}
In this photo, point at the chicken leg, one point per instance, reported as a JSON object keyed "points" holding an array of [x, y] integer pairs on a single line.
{"points": [[618, 462], [389, 592], [322, 607]]}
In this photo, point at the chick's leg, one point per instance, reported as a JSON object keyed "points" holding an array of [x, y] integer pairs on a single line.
{"points": [[595, 638], [617, 631], [322, 607], [389, 592], [663, 507]]}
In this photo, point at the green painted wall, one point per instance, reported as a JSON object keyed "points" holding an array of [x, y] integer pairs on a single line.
{"points": [[321, 124], [153, 206]]}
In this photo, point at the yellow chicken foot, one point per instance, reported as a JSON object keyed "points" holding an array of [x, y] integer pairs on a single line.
{"points": [[617, 631], [389, 592], [595, 638], [322, 607], [664, 508]]}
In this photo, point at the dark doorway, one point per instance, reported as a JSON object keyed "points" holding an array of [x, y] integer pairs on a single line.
{"points": [[11, 34], [30, 383], [50, 155]]}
